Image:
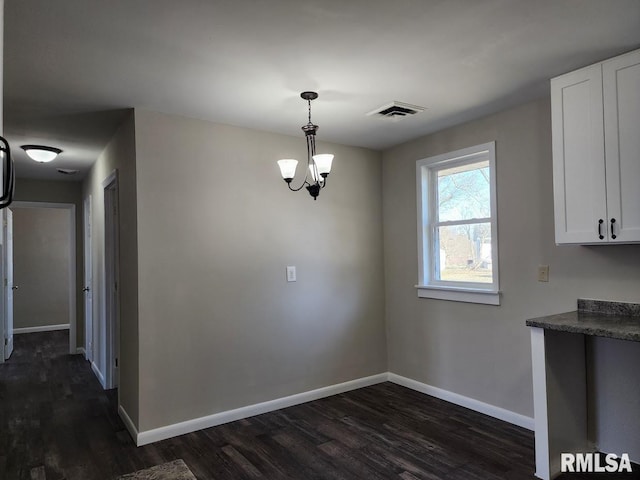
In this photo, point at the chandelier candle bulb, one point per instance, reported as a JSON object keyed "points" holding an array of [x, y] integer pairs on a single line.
{"points": [[312, 171]]}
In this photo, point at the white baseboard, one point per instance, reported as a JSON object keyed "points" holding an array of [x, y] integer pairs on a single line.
{"points": [[81, 351], [43, 328], [188, 426], [126, 419], [98, 374], [467, 402], [169, 431]]}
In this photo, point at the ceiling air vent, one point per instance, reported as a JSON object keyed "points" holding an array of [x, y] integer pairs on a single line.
{"points": [[396, 110], [67, 171]]}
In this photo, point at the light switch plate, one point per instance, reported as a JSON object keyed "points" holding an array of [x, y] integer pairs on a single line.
{"points": [[543, 273], [291, 273]]}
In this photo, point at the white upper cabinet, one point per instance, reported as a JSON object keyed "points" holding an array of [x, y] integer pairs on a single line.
{"points": [[621, 88], [578, 156], [596, 152]]}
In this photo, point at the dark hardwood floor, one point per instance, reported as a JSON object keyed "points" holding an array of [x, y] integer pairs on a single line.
{"points": [[57, 423]]}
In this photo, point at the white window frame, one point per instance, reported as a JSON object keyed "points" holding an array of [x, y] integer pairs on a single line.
{"points": [[428, 286]]}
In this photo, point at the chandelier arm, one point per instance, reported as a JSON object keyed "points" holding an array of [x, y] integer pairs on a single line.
{"points": [[304, 184]]}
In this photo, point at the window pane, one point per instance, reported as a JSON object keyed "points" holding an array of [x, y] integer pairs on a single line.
{"points": [[463, 192], [463, 253]]}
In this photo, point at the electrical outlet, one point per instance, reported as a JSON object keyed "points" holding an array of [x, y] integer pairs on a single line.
{"points": [[543, 273], [291, 273]]}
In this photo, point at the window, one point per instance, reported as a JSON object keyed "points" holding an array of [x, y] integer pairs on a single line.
{"points": [[457, 227]]}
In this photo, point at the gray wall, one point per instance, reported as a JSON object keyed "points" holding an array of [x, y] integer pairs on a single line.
{"points": [[118, 155], [480, 351], [220, 328], [41, 253], [28, 190]]}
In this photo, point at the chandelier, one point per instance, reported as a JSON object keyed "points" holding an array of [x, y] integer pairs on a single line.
{"points": [[319, 164]]}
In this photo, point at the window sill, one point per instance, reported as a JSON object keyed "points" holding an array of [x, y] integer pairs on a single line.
{"points": [[487, 297]]}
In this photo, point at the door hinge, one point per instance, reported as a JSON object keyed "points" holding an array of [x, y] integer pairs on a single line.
{"points": [[6, 283], [116, 363], [6, 341]]}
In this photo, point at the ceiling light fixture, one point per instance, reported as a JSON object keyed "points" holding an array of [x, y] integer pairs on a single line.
{"points": [[315, 177], [41, 153]]}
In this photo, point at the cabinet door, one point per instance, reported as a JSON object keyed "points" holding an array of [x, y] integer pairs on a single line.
{"points": [[578, 157], [621, 83]]}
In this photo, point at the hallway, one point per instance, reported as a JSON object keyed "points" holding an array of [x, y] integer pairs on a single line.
{"points": [[54, 412]]}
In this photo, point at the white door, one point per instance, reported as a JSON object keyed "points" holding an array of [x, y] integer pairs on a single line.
{"points": [[621, 84], [579, 189], [9, 286], [88, 282]]}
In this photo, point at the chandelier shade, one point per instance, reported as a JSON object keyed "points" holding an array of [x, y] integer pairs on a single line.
{"points": [[319, 164], [323, 162], [288, 168]]}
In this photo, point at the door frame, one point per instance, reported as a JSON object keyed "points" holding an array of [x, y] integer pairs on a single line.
{"points": [[9, 285], [87, 226], [111, 302], [4, 295], [71, 208]]}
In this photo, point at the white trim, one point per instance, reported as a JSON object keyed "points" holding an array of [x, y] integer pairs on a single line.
{"points": [[20, 204], [539, 374], [87, 275], [71, 207], [111, 276], [73, 294], [98, 374], [112, 177], [467, 402], [459, 294], [188, 426], [43, 328], [426, 225], [128, 423], [81, 351]]}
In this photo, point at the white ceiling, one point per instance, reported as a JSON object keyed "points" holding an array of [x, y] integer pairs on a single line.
{"points": [[71, 67]]}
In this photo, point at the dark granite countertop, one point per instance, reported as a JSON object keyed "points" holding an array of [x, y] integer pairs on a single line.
{"points": [[598, 318]]}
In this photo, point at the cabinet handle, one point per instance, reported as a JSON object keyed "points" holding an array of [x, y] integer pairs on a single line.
{"points": [[613, 235], [600, 235]]}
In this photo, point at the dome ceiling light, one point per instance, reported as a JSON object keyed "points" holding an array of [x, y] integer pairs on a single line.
{"points": [[41, 153]]}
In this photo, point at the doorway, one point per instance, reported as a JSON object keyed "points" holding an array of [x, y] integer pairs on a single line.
{"points": [[44, 264], [112, 279]]}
